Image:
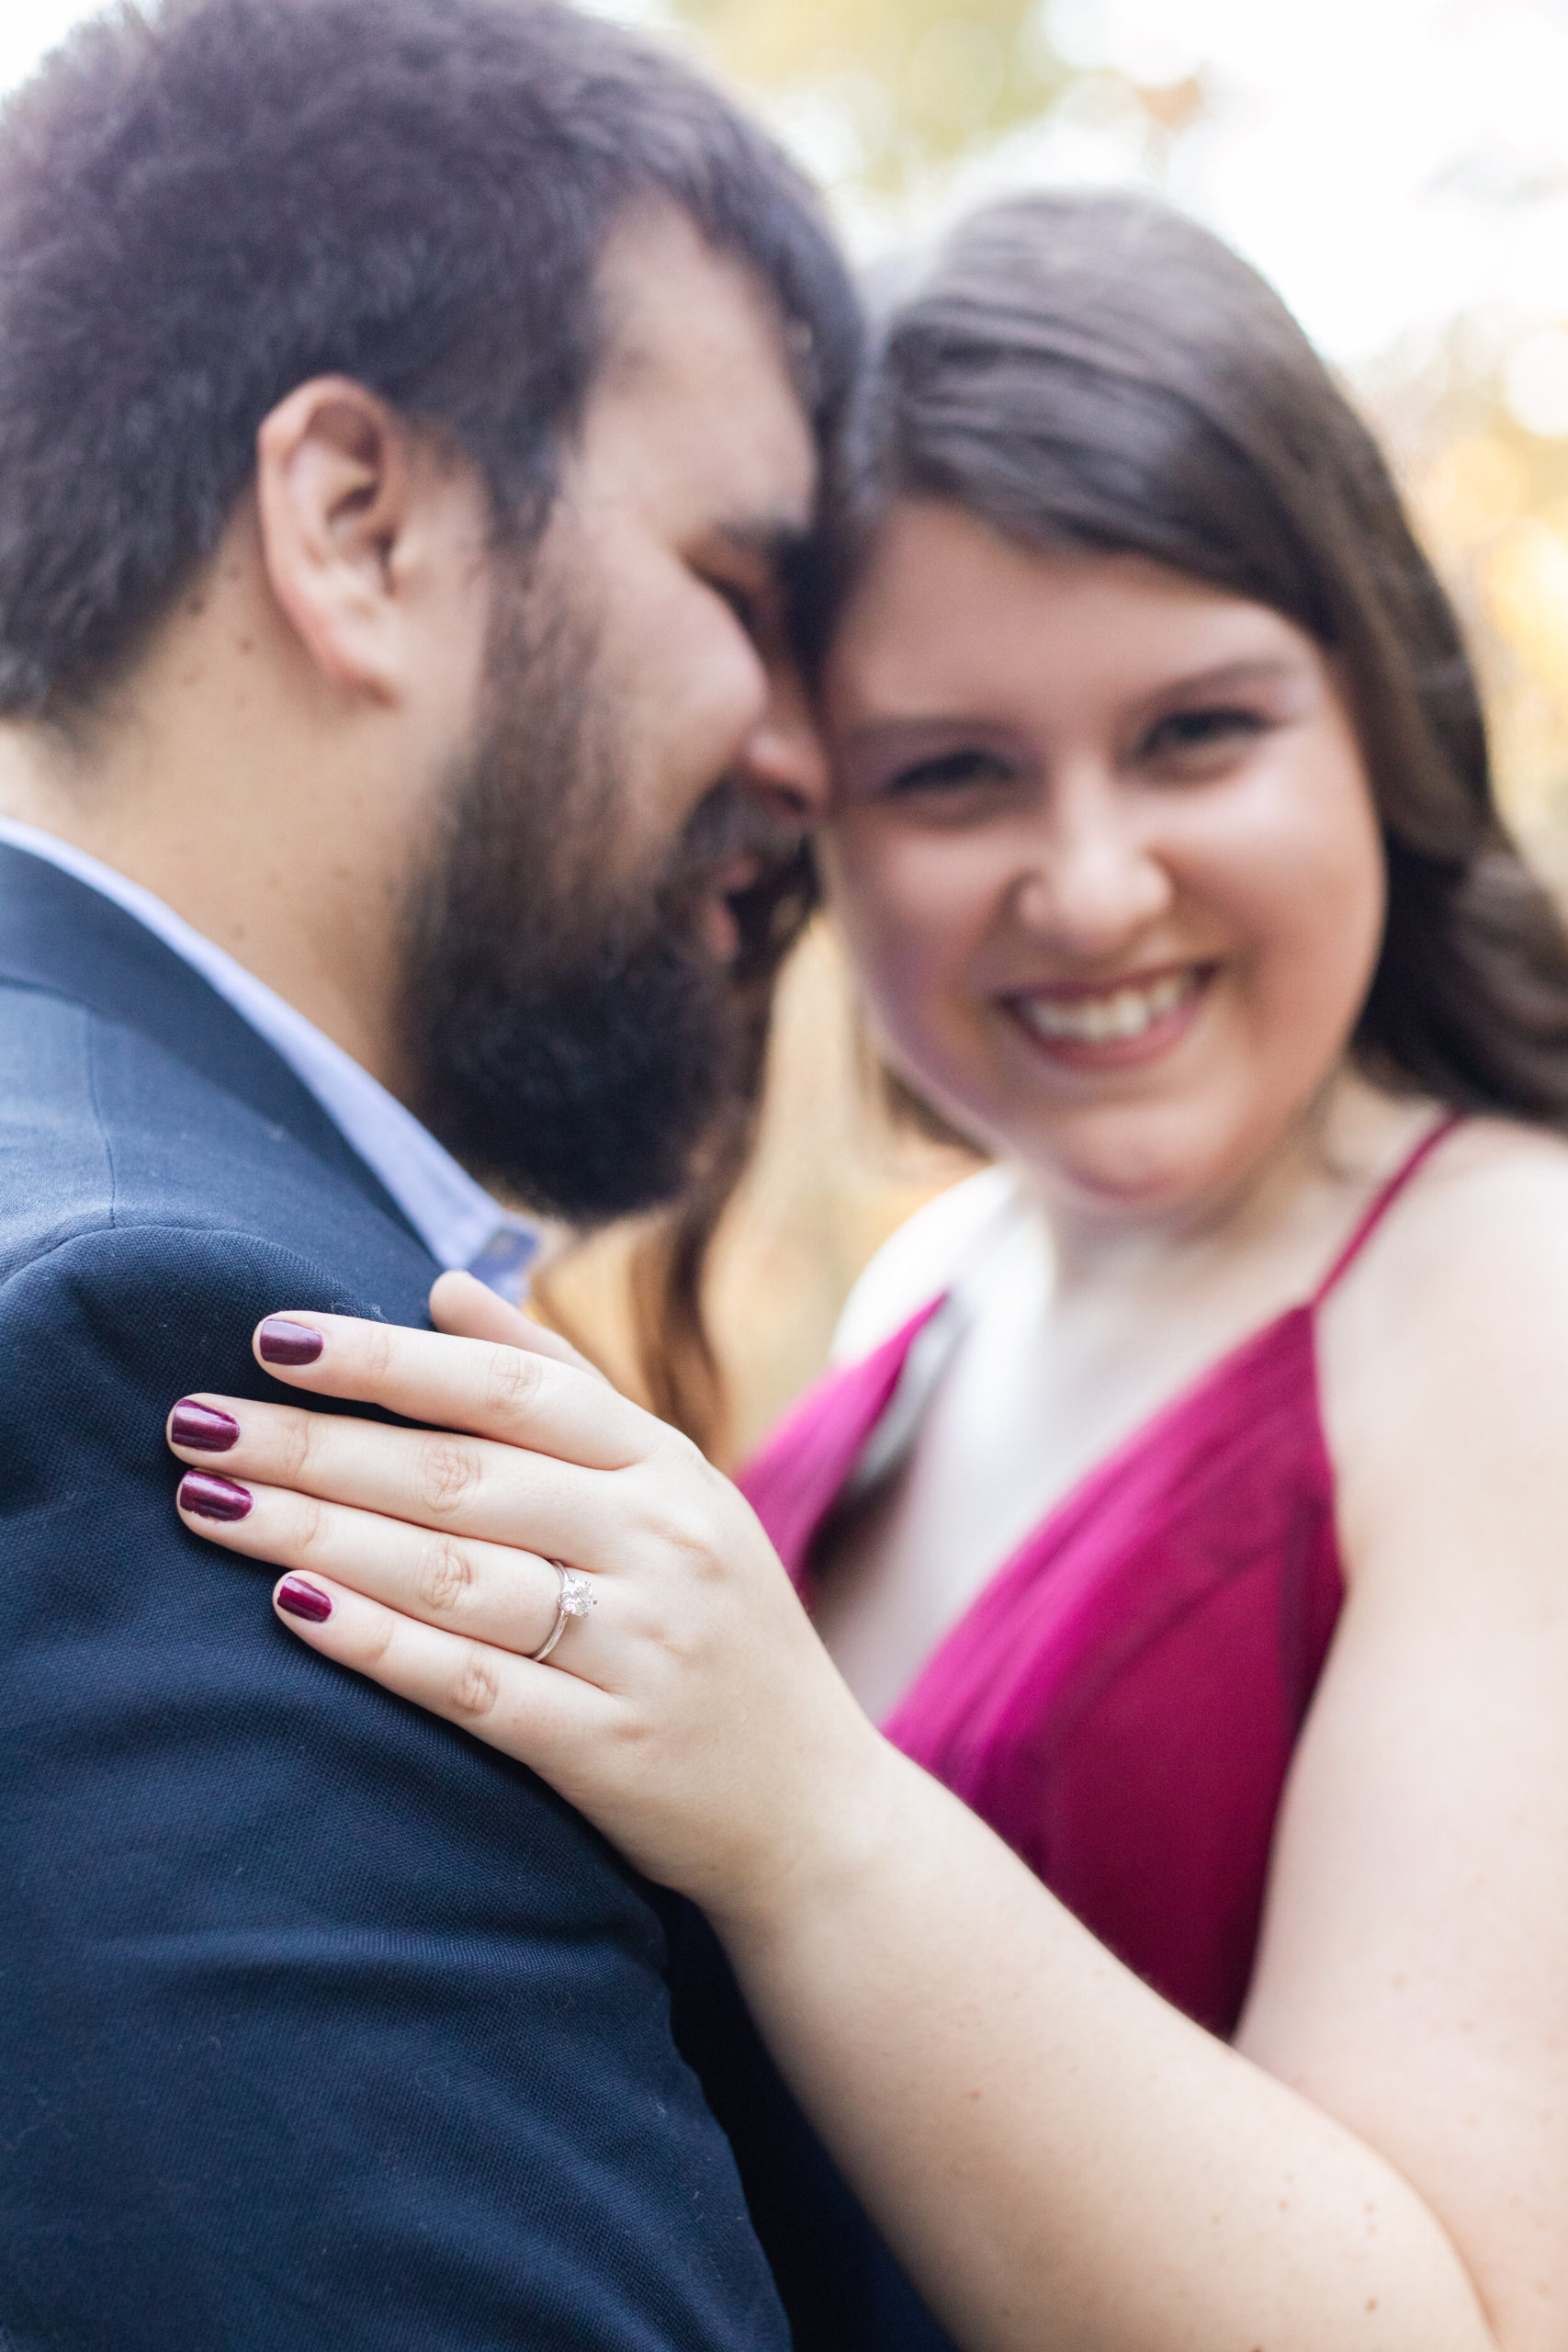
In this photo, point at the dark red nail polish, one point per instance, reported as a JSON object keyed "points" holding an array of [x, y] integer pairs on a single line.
{"points": [[202, 1426], [301, 1600], [280, 1342], [209, 1497]]}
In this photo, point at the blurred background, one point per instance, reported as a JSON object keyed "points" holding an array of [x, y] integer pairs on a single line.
{"points": [[1399, 168]]}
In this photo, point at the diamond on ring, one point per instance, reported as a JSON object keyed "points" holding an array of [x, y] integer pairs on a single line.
{"points": [[576, 1594], [575, 1598]]}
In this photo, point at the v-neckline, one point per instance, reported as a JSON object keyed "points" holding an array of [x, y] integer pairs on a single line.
{"points": [[1047, 1533], [1043, 1541]]}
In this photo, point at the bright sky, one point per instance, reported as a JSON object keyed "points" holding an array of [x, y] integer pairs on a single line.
{"points": [[1390, 164], [30, 26]]}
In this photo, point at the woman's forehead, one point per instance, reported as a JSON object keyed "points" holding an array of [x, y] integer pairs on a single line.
{"points": [[947, 602]]}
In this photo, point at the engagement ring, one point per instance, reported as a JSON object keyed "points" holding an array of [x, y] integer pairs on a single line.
{"points": [[576, 1601]]}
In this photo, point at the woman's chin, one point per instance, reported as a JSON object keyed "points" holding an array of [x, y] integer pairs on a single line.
{"points": [[1127, 1166]]}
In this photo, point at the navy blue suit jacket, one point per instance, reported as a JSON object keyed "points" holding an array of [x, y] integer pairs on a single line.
{"points": [[320, 2023]]}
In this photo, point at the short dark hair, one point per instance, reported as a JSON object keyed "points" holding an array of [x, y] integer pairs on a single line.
{"points": [[206, 202], [1097, 372]]}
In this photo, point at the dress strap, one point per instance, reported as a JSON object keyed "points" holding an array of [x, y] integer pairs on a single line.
{"points": [[1384, 1200]]}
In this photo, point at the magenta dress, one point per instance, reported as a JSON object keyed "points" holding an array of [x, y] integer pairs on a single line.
{"points": [[1121, 1700]]}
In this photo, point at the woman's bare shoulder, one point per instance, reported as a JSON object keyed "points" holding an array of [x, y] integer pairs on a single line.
{"points": [[1445, 1361], [1473, 1262], [1492, 1196]]}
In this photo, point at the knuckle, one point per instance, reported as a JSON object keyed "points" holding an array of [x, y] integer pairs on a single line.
{"points": [[312, 1528], [694, 1535], [685, 1451], [512, 1383], [677, 1635], [673, 1455], [376, 1343], [445, 1575], [476, 1685], [630, 1736], [299, 1432], [378, 1641], [447, 1473]]}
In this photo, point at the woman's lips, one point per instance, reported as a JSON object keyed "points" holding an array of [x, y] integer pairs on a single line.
{"points": [[1117, 1027]]}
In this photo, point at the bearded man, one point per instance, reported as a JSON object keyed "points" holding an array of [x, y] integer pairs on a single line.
{"points": [[410, 414]]}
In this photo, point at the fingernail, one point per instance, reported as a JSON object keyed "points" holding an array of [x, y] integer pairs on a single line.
{"points": [[280, 1342], [298, 1599], [209, 1497], [203, 1427]]}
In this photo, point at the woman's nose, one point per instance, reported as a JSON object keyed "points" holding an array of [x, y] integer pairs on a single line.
{"points": [[1093, 881], [783, 759]]}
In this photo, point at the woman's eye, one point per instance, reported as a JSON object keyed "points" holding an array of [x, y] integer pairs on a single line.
{"points": [[950, 771], [1192, 732]]}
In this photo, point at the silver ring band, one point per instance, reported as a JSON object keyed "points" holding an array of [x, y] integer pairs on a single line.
{"points": [[576, 1600]]}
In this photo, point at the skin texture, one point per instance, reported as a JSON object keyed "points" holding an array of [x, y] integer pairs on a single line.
{"points": [[1060, 2158], [334, 647], [1059, 775]]}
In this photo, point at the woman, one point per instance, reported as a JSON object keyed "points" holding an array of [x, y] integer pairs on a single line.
{"points": [[1201, 1522]]}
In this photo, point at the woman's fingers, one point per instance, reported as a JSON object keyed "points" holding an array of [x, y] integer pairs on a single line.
{"points": [[528, 1711], [514, 1395], [468, 1309], [488, 1593], [453, 1485]]}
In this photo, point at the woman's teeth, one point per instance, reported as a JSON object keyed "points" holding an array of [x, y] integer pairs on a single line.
{"points": [[1112, 1019]]}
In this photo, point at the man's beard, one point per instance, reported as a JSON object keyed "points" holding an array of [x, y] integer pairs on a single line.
{"points": [[576, 1041]]}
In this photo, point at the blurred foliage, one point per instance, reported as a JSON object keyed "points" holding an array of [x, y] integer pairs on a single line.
{"points": [[1490, 499], [885, 90]]}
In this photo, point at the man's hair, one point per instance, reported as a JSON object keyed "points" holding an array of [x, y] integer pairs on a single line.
{"points": [[207, 202]]}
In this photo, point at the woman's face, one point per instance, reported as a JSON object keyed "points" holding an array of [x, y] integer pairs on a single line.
{"points": [[1104, 849]]}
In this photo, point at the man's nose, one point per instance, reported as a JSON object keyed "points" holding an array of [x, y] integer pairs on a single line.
{"points": [[1092, 879], [783, 759]]}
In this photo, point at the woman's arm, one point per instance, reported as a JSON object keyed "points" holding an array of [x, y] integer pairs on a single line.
{"points": [[1059, 2156]]}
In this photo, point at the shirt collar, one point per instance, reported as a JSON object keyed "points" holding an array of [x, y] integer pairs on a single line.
{"points": [[459, 1222]]}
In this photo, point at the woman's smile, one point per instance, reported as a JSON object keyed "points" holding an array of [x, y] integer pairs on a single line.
{"points": [[1113, 1026]]}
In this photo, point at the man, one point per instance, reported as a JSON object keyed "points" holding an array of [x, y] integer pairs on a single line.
{"points": [[408, 411]]}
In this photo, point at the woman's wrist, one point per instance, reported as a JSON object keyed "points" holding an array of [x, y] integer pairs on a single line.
{"points": [[827, 1846]]}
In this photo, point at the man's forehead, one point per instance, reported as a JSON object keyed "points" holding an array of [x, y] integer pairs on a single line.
{"points": [[660, 282], [693, 337]]}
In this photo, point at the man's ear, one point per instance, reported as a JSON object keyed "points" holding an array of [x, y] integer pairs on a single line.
{"points": [[335, 481]]}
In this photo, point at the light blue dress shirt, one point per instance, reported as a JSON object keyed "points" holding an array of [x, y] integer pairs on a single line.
{"points": [[456, 1218]]}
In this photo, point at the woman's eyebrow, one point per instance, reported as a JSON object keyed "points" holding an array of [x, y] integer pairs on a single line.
{"points": [[1217, 677], [1261, 670], [914, 732], [922, 728]]}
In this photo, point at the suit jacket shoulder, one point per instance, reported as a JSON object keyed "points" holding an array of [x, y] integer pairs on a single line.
{"points": [[318, 2022]]}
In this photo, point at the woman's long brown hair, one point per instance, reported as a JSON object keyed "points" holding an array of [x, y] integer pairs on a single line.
{"points": [[681, 1374], [1096, 372]]}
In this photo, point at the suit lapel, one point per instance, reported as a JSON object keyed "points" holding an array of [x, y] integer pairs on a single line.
{"points": [[59, 934]]}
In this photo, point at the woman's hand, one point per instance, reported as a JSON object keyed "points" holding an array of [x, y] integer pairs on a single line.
{"points": [[692, 1713], [1000, 2089]]}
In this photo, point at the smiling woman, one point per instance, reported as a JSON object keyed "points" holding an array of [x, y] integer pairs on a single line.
{"points": [[1091, 811], [1192, 1508]]}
